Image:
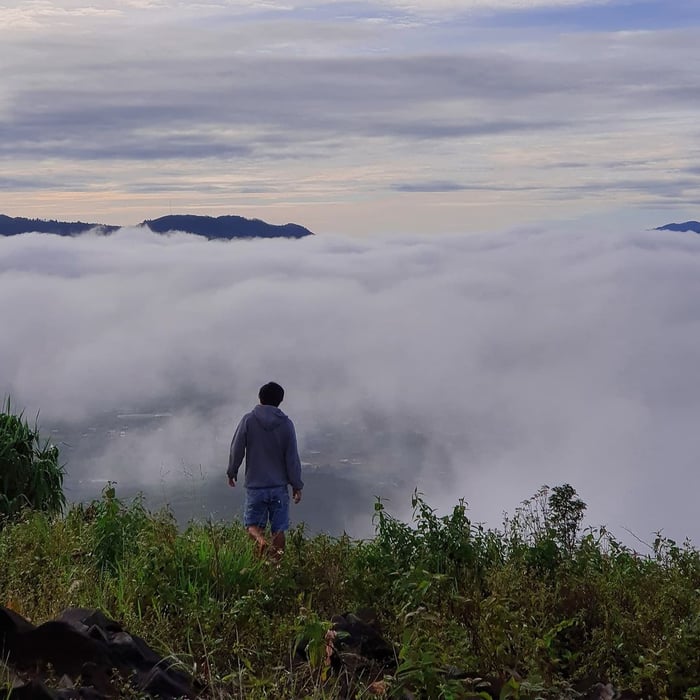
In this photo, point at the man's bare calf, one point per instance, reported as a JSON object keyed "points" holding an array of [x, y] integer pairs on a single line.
{"points": [[278, 543], [258, 536], [262, 546]]}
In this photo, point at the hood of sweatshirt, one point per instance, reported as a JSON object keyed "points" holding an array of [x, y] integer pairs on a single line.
{"points": [[270, 417]]}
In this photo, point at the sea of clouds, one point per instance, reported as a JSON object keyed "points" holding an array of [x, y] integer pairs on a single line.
{"points": [[475, 366]]}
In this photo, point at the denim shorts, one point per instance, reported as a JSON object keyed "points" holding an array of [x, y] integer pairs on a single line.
{"points": [[270, 504]]}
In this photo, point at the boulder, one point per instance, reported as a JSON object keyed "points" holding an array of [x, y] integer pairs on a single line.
{"points": [[359, 635], [84, 645]]}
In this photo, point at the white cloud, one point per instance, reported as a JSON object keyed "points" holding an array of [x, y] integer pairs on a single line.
{"points": [[521, 358], [30, 13], [42, 14], [463, 6], [315, 110]]}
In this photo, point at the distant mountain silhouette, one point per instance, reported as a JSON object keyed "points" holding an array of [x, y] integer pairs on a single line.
{"points": [[685, 226], [225, 227], [10, 226]]}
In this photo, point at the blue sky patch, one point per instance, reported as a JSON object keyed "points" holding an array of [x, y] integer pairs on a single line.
{"points": [[613, 16]]}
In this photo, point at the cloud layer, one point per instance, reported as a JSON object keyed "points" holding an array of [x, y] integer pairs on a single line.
{"points": [[291, 111], [478, 366]]}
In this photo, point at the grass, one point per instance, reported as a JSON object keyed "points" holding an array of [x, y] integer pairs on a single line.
{"points": [[538, 603], [30, 474]]}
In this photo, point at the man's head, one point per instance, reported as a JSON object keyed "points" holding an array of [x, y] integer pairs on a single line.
{"points": [[271, 394]]}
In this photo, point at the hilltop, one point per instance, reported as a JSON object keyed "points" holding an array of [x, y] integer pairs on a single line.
{"points": [[225, 227], [220, 227], [13, 226], [684, 226]]}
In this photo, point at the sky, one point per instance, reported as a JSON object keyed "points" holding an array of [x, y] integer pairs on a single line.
{"points": [[352, 117], [474, 366]]}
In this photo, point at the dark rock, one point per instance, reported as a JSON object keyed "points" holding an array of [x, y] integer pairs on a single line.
{"points": [[355, 650], [62, 646], [34, 690], [84, 644], [133, 651], [82, 693], [12, 626], [602, 691], [97, 633], [161, 683], [27, 647], [360, 634], [96, 678], [84, 618]]}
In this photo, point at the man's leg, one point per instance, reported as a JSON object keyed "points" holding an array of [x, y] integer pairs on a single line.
{"points": [[279, 520], [278, 542], [257, 534], [255, 517]]}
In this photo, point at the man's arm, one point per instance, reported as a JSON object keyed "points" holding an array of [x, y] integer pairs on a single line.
{"points": [[293, 464], [237, 452]]}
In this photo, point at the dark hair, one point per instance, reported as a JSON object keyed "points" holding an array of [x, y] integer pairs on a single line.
{"points": [[271, 394]]}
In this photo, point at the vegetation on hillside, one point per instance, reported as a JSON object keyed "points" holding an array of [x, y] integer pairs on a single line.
{"points": [[30, 473], [538, 600], [543, 605]]}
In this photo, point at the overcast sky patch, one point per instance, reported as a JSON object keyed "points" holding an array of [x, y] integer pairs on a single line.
{"points": [[347, 94]]}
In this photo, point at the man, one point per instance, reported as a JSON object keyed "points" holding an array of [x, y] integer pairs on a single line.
{"points": [[267, 438]]}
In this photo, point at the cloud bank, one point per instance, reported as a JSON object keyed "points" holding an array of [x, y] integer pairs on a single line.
{"points": [[477, 366], [301, 110]]}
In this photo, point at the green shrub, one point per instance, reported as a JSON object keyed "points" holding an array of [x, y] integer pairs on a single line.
{"points": [[535, 606], [30, 474]]}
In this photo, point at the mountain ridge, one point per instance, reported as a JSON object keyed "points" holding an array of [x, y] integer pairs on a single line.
{"points": [[225, 227], [693, 226]]}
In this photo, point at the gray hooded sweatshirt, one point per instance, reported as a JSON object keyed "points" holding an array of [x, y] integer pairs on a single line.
{"points": [[267, 438]]}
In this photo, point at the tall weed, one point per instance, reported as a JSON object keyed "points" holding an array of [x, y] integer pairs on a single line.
{"points": [[538, 604]]}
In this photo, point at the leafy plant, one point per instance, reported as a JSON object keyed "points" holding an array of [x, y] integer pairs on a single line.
{"points": [[117, 525], [30, 474], [545, 528], [532, 610], [565, 514]]}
